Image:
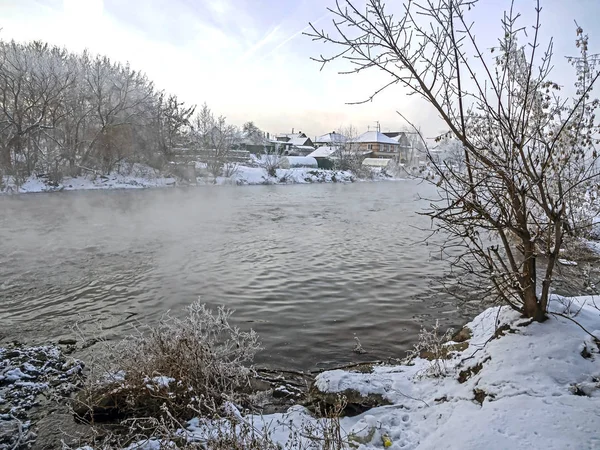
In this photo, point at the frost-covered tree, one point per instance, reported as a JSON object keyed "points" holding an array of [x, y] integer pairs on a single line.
{"points": [[528, 151], [215, 139], [349, 156], [62, 112]]}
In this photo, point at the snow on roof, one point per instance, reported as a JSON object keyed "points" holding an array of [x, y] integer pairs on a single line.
{"points": [[323, 152], [331, 138], [375, 136], [291, 135], [376, 162], [304, 147], [297, 141]]}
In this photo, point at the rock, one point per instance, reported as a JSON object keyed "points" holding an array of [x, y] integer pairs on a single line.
{"points": [[59, 427], [67, 342], [467, 373], [502, 330], [480, 395], [356, 403], [463, 335]]}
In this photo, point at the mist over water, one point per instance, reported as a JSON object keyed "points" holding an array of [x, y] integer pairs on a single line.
{"points": [[308, 267]]}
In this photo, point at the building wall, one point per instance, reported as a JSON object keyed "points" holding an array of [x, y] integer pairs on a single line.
{"points": [[381, 150]]}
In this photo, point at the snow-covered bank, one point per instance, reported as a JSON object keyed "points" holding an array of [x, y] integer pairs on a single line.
{"points": [[141, 177], [518, 385], [137, 176], [245, 175]]}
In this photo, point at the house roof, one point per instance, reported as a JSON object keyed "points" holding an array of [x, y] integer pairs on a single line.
{"points": [[253, 139], [330, 138], [375, 137], [323, 152], [298, 140], [290, 135]]}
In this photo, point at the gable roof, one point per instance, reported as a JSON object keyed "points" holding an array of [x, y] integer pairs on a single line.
{"points": [[331, 138], [324, 152], [300, 140], [375, 137]]}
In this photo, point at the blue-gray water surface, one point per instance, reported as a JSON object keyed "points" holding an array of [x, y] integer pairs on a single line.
{"points": [[309, 267]]}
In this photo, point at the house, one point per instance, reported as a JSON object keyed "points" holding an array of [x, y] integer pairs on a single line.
{"points": [[296, 144], [330, 139], [257, 143], [406, 148], [378, 145]]}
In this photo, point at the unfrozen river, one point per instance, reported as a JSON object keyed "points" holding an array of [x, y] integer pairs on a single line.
{"points": [[309, 267]]}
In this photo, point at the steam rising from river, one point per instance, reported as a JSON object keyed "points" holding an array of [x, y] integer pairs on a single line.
{"points": [[308, 267]]}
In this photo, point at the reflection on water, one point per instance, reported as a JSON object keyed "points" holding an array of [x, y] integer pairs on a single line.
{"points": [[308, 267]]}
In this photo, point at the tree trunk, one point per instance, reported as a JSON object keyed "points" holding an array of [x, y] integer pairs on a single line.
{"points": [[532, 307], [5, 160]]}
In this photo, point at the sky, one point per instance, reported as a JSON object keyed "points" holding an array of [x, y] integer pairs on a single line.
{"points": [[249, 61]]}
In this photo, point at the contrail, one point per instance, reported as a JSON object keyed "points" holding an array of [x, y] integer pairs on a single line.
{"points": [[260, 43], [293, 36]]}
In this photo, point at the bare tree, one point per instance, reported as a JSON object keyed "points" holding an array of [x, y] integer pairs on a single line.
{"points": [[270, 159], [348, 156], [526, 149], [172, 118], [215, 139]]}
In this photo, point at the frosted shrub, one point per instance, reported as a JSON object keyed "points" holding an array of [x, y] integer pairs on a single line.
{"points": [[431, 346], [187, 366]]}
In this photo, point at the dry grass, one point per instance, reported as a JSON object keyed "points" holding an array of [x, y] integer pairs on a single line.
{"points": [[190, 366], [431, 346]]}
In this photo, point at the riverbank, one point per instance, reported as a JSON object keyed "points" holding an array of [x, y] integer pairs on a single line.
{"points": [[517, 385], [501, 382], [139, 176]]}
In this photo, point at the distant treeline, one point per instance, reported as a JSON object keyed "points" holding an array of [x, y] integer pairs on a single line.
{"points": [[62, 113]]}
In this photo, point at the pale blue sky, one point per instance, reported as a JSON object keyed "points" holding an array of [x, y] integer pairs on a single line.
{"points": [[247, 58]]}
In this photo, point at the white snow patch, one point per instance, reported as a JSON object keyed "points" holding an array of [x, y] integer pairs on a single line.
{"points": [[566, 262], [539, 386]]}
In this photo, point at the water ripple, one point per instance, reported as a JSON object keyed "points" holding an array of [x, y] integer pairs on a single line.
{"points": [[309, 267]]}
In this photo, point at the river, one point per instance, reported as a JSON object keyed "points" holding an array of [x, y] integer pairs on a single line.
{"points": [[309, 267]]}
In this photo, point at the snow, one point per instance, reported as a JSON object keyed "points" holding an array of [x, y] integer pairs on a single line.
{"points": [[533, 385], [158, 383], [324, 152], [137, 176], [146, 177], [566, 262], [295, 175], [330, 138], [529, 378], [375, 136]]}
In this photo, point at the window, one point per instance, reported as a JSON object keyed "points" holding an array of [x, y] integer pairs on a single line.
{"points": [[369, 146]]}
